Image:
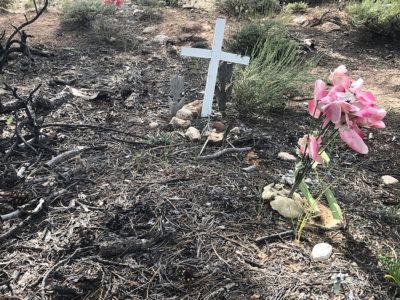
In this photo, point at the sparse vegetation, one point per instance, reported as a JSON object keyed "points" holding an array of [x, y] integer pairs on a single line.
{"points": [[296, 7], [272, 78], [80, 14], [380, 17], [247, 8], [6, 3], [246, 40], [392, 267]]}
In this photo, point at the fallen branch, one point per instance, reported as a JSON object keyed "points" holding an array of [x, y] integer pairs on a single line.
{"points": [[70, 154], [33, 213], [273, 236], [54, 267], [222, 152], [221, 290]]}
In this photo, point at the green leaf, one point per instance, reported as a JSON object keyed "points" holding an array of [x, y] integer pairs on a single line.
{"points": [[9, 120], [304, 189], [333, 205], [325, 157]]}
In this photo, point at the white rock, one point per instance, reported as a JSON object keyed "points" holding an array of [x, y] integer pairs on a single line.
{"points": [[215, 137], [300, 20], [286, 156], [268, 193], [235, 130], [387, 179], [194, 107], [176, 122], [287, 207], [149, 29], [184, 114], [193, 134], [329, 27], [161, 38], [321, 251], [153, 125]]}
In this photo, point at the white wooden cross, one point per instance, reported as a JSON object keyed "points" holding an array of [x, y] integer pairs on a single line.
{"points": [[216, 54]]}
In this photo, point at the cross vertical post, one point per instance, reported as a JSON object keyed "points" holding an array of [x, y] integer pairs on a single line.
{"points": [[215, 54]]}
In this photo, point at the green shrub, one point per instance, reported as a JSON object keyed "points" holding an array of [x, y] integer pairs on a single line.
{"points": [[273, 77], [245, 40], [80, 14], [242, 8], [392, 267], [296, 7], [6, 3], [380, 17]]}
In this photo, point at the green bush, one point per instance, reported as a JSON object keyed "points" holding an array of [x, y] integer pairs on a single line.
{"points": [[296, 7], [245, 40], [80, 14], [243, 8], [6, 3], [379, 17], [273, 77]]}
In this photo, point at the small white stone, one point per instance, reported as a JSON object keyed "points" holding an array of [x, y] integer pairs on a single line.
{"points": [[215, 137], [235, 130], [193, 134], [195, 107], [321, 251], [387, 179], [149, 29], [176, 122], [161, 38], [184, 114], [300, 20], [153, 125], [286, 156]]}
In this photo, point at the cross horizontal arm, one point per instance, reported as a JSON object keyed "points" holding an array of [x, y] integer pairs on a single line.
{"points": [[234, 58], [196, 52]]}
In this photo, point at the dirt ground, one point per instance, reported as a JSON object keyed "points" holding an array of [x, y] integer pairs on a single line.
{"points": [[136, 216]]}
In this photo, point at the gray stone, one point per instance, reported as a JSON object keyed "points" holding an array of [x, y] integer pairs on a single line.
{"points": [[329, 27], [161, 38], [184, 114], [176, 122], [149, 29]]}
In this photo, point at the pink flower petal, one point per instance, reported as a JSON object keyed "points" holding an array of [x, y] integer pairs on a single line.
{"points": [[319, 90], [356, 86], [353, 140], [334, 112], [312, 108]]}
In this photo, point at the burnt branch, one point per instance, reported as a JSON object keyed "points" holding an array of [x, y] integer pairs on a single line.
{"points": [[19, 44]]}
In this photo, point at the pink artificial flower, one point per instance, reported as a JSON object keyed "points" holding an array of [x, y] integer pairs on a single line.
{"points": [[339, 78], [347, 107], [364, 97], [312, 144], [319, 93], [353, 137], [117, 3]]}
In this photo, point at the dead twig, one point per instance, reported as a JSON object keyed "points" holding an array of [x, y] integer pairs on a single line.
{"points": [[69, 154], [54, 267], [33, 213], [221, 290], [222, 152], [273, 236]]}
